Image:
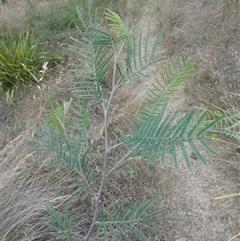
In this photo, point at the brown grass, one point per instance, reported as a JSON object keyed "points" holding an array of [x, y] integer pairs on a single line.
{"points": [[208, 29]]}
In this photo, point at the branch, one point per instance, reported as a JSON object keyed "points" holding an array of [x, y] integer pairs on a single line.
{"points": [[104, 176], [122, 162]]}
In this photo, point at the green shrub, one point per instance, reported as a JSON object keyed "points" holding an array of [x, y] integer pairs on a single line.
{"points": [[21, 60], [156, 137]]}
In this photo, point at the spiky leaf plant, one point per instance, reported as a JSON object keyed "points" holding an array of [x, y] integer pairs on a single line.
{"points": [[113, 50], [21, 60]]}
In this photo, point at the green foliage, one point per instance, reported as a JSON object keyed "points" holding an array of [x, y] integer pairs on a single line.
{"points": [[56, 117], [117, 52], [229, 124], [117, 25], [21, 60], [66, 145], [68, 148], [95, 52], [96, 49], [129, 221], [157, 136], [62, 228], [173, 76]]}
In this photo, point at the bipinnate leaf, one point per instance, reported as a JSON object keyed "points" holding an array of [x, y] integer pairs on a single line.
{"points": [[158, 137], [116, 23], [173, 76], [139, 56], [70, 150], [129, 221], [95, 52], [62, 227], [229, 124], [56, 116]]}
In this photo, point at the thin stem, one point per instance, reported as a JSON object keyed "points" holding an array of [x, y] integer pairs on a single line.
{"points": [[115, 146], [98, 196], [116, 57], [104, 176], [88, 186], [85, 180], [120, 163], [227, 196], [234, 237], [114, 85]]}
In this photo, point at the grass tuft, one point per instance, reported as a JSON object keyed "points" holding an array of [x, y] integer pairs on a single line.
{"points": [[21, 60]]}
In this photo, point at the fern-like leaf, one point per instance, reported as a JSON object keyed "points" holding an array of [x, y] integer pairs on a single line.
{"points": [[140, 56], [157, 136], [63, 151], [61, 228], [129, 221], [79, 119], [229, 124], [122, 32], [95, 52], [69, 149], [86, 81], [172, 78], [56, 116], [92, 16]]}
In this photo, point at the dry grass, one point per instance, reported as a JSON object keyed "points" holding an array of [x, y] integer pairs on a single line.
{"points": [[208, 29], [23, 212]]}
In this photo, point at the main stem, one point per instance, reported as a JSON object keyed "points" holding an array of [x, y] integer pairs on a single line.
{"points": [[98, 195], [104, 176]]}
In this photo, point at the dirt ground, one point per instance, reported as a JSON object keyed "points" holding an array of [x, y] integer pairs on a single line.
{"points": [[207, 29]]}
